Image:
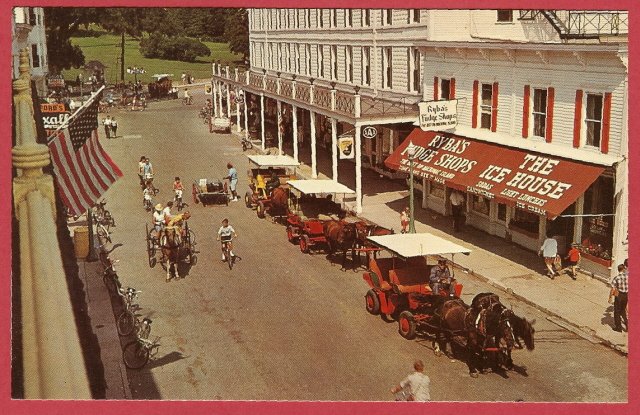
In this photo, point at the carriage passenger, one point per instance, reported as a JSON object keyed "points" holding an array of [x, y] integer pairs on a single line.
{"points": [[158, 220], [166, 212], [225, 234], [179, 220], [440, 278]]}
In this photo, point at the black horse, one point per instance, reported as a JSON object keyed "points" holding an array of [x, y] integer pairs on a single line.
{"points": [[522, 328]]}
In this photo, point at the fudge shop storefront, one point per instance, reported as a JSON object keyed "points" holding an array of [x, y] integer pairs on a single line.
{"points": [[516, 194]]}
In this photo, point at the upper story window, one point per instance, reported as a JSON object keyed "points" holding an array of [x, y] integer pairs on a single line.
{"points": [[445, 89], [348, 17], [387, 68], [307, 18], [414, 70], [321, 61], [333, 16], [539, 112], [505, 15], [35, 57], [349, 64], [297, 57], [387, 17], [32, 16], [366, 65], [414, 16], [320, 14], [593, 119], [366, 17], [307, 56], [334, 62], [486, 106]]}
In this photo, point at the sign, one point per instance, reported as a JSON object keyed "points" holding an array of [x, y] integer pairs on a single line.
{"points": [[53, 116], [345, 145], [207, 89], [369, 132], [55, 81], [438, 115]]}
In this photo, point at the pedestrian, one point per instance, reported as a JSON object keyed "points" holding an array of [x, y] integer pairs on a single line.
{"points": [[417, 384], [232, 175], [141, 164], [572, 258], [114, 127], [107, 126], [404, 219], [457, 208], [549, 250], [619, 292], [184, 78]]}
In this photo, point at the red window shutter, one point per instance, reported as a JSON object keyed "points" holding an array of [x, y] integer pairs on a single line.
{"points": [[606, 123], [577, 119], [525, 111], [494, 107], [452, 88], [435, 88], [549, 133], [474, 105]]}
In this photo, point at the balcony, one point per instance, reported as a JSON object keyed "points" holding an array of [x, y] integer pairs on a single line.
{"points": [[579, 24]]}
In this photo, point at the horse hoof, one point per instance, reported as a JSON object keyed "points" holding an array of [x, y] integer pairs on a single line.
{"points": [[474, 375], [167, 280], [437, 353]]}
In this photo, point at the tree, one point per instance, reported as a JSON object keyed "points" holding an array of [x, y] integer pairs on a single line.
{"points": [[174, 48], [61, 24], [123, 21], [236, 32]]}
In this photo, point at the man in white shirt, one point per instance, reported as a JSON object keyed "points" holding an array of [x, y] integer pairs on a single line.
{"points": [[417, 382], [457, 208]]}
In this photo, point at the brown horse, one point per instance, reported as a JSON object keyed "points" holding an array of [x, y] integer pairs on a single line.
{"points": [[279, 202], [340, 236], [364, 229], [170, 246]]}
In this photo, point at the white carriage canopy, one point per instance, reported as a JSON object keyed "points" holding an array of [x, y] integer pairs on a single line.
{"points": [[409, 245], [273, 161], [319, 186]]}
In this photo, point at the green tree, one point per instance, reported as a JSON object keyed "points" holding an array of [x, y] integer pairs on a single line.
{"points": [[61, 24], [236, 32], [123, 21]]}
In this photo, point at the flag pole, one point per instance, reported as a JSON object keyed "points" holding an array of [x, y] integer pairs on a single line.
{"points": [[91, 257], [76, 112]]}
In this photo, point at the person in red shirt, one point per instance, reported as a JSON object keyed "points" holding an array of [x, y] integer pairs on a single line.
{"points": [[572, 258]]}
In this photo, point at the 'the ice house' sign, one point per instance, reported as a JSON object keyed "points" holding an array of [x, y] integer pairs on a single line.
{"points": [[438, 115]]}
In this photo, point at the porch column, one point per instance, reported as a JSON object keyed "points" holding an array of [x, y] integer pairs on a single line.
{"points": [[358, 155], [295, 133], [262, 119], [314, 167], [246, 115], [229, 101], [214, 98], [220, 99], [279, 106], [334, 146], [238, 107]]}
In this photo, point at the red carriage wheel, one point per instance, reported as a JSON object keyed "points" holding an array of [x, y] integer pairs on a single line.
{"points": [[407, 325], [372, 302], [290, 235], [304, 244], [260, 210]]}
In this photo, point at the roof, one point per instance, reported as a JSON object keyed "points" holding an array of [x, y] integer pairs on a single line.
{"points": [[273, 161], [409, 245], [319, 186], [162, 75]]}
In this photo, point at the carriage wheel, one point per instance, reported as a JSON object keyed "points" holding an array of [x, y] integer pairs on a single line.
{"points": [[407, 325], [260, 210], [304, 244], [126, 323], [194, 192], [372, 302], [247, 198], [290, 235]]}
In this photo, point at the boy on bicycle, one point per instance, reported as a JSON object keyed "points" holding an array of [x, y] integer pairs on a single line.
{"points": [[225, 234], [178, 188], [147, 195]]}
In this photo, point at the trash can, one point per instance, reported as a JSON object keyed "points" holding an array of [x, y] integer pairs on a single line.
{"points": [[81, 242]]}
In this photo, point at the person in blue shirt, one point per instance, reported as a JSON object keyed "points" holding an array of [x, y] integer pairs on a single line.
{"points": [[232, 175]]}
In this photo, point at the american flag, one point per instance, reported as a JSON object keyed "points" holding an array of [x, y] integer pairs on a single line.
{"points": [[84, 171]]}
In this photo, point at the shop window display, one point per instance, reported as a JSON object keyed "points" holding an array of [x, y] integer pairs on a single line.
{"points": [[525, 221], [436, 190], [480, 204], [597, 231]]}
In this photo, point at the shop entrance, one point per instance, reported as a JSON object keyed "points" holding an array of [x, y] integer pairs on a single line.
{"points": [[561, 229]]}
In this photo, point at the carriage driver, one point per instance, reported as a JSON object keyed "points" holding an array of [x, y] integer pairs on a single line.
{"points": [[158, 221], [225, 234], [178, 222], [441, 278]]}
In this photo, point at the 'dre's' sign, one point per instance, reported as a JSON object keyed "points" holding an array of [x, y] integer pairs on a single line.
{"points": [[438, 115], [53, 116]]}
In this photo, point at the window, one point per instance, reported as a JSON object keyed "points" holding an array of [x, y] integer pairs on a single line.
{"points": [[32, 16], [366, 17], [485, 106], [387, 16], [333, 18], [597, 231], [445, 89], [480, 204], [539, 112], [307, 18], [307, 55], [366, 65], [502, 212], [35, 58], [349, 64], [320, 61], [414, 15], [320, 14], [281, 58], [289, 55], [436, 190], [334, 62], [414, 70], [348, 17], [505, 15], [387, 68], [593, 119], [297, 58], [526, 221]]}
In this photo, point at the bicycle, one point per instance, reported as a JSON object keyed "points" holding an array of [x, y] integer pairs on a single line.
{"points": [[126, 322], [109, 275], [102, 215], [177, 200], [136, 354], [103, 233], [148, 178], [226, 251], [187, 101], [246, 144]]}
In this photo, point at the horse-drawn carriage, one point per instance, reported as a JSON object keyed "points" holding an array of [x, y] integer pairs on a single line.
{"points": [[162, 87], [265, 174], [173, 245], [310, 212], [210, 192]]}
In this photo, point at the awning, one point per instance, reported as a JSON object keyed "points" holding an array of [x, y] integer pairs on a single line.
{"points": [[315, 186], [273, 161], [535, 182], [411, 245]]}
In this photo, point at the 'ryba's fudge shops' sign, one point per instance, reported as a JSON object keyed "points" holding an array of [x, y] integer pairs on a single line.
{"points": [[438, 115]]}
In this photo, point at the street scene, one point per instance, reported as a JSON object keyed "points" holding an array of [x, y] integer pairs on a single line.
{"points": [[332, 219]]}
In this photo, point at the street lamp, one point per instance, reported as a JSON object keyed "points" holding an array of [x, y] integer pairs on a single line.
{"points": [[135, 71], [411, 153]]}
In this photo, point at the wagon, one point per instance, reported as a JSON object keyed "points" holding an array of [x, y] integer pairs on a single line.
{"points": [[310, 209], [262, 168], [210, 192], [221, 125], [399, 281]]}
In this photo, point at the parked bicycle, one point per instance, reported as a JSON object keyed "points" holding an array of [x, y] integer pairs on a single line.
{"points": [[246, 144], [102, 215], [126, 322], [104, 235], [109, 275], [136, 354]]}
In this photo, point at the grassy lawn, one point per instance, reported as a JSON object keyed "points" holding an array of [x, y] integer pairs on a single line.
{"points": [[106, 49]]}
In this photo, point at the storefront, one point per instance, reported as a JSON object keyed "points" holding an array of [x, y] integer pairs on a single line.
{"points": [[516, 194]]}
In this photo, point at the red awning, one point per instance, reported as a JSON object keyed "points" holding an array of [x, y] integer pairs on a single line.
{"points": [[532, 181]]}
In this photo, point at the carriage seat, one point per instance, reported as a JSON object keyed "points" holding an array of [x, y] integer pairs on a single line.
{"points": [[379, 272], [412, 279]]}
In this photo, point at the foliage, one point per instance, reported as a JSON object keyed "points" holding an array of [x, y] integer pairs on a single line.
{"points": [[173, 48], [237, 31]]}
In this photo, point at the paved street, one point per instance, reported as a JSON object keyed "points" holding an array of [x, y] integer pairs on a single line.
{"points": [[286, 326]]}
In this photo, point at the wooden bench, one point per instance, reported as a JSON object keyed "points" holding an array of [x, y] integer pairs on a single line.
{"points": [[413, 279]]}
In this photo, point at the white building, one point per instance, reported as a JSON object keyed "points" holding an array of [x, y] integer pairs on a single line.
{"points": [[548, 84], [28, 31]]}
